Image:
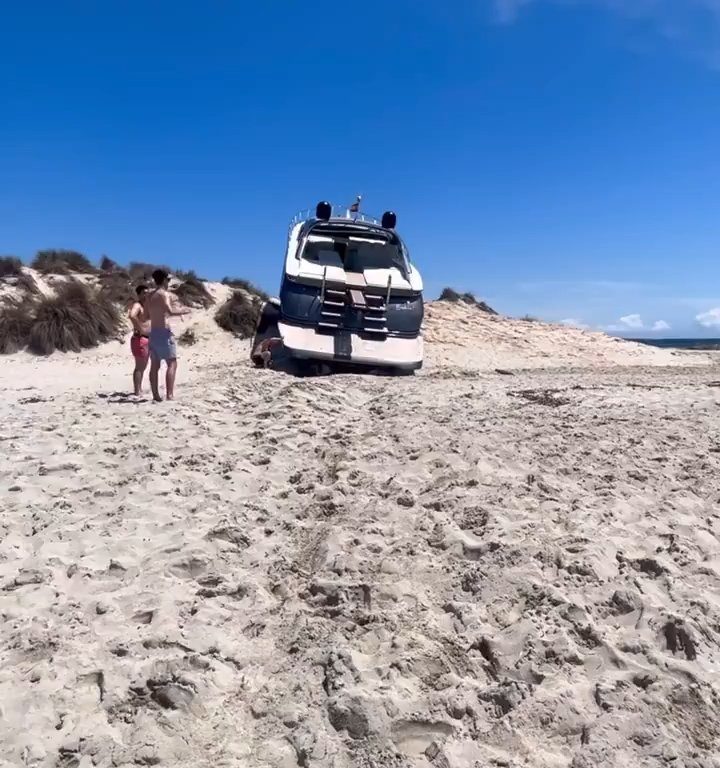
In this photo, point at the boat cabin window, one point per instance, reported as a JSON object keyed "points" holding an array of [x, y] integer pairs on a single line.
{"points": [[355, 254]]}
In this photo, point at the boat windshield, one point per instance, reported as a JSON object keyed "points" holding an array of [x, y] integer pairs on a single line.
{"points": [[355, 254]]}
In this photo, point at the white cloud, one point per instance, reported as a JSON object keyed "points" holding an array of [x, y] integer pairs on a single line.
{"points": [[633, 322], [573, 323], [627, 323], [709, 319]]}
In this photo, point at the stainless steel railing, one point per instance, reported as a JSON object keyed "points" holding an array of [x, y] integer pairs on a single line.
{"points": [[338, 212]]}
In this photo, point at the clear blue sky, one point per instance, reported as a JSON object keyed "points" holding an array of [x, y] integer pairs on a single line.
{"points": [[558, 158]]}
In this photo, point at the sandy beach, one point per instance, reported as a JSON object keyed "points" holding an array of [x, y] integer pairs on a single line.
{"points": [[462, 568]]}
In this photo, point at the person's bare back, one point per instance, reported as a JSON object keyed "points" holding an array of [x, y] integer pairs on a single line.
{"points": [[159, 309]]}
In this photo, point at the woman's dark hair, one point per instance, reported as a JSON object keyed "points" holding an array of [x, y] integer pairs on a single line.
{"points": [[140, 290], [159, 276]]}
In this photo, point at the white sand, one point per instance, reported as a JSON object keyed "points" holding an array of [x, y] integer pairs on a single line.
{"points": [[458, 569]]}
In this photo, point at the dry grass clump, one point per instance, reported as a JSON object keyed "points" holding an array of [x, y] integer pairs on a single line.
{"points": [[26, 282], [449, 294], [10, 266], [16, 319], [239, 315], [141, 272], [60, 262], [193, 293], [187, 338], [117, 287], [245, 285], [12, 272], [76, 318], [108, 265]]}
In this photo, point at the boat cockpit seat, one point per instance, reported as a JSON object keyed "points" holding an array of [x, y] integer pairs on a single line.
{"points": [[362, 257], [324, 256]]}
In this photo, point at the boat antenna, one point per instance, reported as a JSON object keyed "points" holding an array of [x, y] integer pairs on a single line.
{"points": [[355, 207]]}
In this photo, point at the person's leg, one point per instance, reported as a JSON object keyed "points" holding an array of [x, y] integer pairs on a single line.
{"points": [[154, 371], [138, 376], [170, 379], [141, 352], [137, 354], [171, 367]]}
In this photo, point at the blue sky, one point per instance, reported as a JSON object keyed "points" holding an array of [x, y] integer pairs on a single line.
{"points": [[559, 158]]}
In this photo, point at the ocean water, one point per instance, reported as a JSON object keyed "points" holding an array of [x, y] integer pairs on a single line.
{"points": [[681, 343]]}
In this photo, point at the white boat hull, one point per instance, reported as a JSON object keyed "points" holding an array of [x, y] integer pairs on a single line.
{"points": [[347, 347]]}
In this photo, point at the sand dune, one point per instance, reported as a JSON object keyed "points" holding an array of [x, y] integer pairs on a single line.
{"points": [[461, 335], [461, 568]]}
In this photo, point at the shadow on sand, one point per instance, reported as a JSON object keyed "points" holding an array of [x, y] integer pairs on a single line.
{"points": [[122, 397]]}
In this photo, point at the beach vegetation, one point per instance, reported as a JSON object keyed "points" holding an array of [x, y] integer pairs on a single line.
{"points": [[62, 262], [239, 314], [76, 317]]}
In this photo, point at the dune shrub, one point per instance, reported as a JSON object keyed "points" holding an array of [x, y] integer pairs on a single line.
{"points": [[449, 294], [10, 266], [16, 318], [193, 293], [117, 287], [239, 315], [141, 272], [183, 275], [26, 282], [61, 262], [108, 265], [245, 285], [76, 318]]}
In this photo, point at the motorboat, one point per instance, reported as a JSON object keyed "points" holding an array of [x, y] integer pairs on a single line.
{"points": [[349, 293]]}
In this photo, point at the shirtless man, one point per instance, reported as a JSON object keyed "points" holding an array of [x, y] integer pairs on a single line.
{"points": [[162, 341], [140, 338]]}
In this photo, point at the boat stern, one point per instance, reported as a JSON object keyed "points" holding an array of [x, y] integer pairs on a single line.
{"points": [[340, 346]]}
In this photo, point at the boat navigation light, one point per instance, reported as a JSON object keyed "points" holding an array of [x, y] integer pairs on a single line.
{"points": [[389, 220], [323, 211]]}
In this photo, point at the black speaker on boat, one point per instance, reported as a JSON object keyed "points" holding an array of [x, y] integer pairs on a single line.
{"points": [[323, 211], [389, 220]]}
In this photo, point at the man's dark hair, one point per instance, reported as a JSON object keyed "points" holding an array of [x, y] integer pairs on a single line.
{"points": [[159, 276], [140, 290]]}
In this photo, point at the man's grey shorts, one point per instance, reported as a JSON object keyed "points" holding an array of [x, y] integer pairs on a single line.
{"points": [[162, 344]]}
